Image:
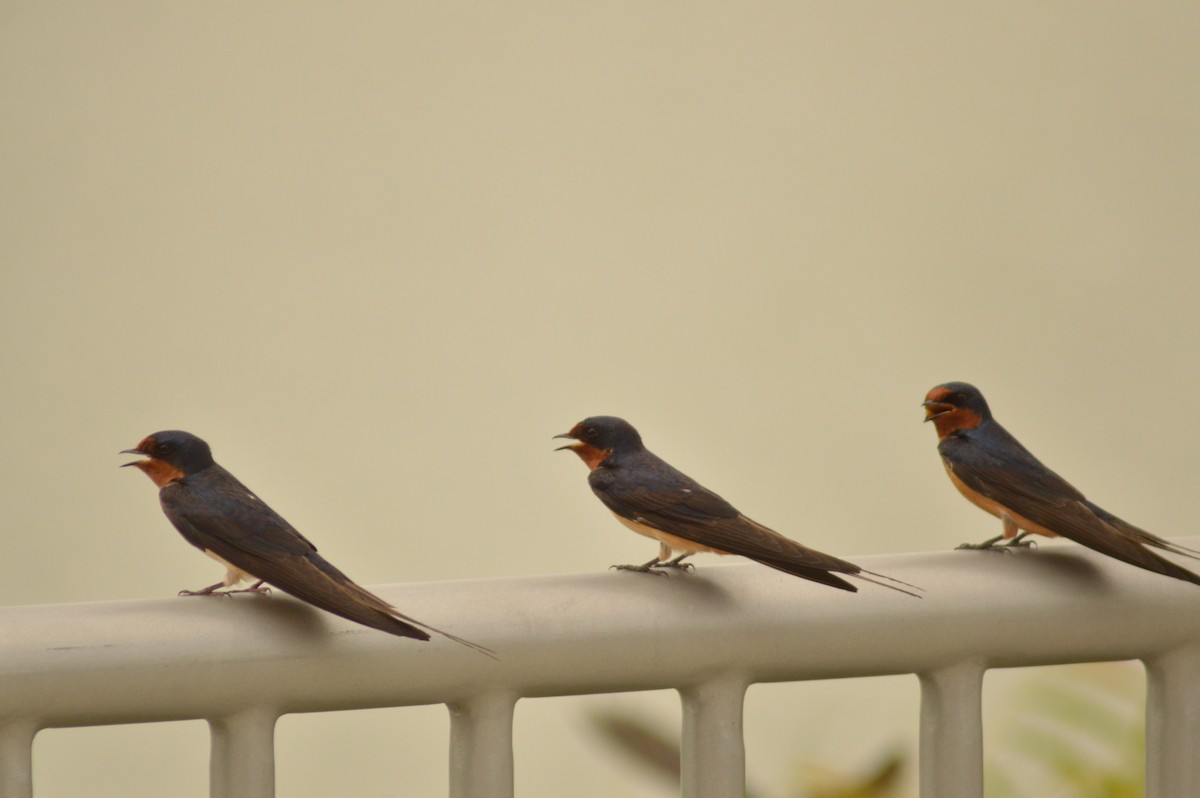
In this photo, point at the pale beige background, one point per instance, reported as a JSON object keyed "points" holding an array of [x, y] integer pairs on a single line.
{"points": [[377, 254]]}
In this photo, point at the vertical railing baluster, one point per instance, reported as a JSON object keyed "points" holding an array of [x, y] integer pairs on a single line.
{"points": [[951, 758], [16, 759], [713, 751], [481, 748], [1173, 724], [242, 764]]}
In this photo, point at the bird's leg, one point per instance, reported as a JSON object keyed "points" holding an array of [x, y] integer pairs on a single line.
{"points": [[677, 563], [1015, 535], [206, 591], [642, 569], [1019, 542], [1010, 531]]}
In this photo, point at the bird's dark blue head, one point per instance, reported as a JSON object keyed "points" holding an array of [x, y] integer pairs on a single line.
{"points": [[954, 406], [600, 436], [172, 454]]}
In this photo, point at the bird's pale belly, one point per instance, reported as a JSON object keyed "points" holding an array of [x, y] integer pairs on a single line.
{"points": [[233, 574]]}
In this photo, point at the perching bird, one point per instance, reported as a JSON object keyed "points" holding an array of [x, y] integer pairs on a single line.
{"points": [[997, 474], [223, 518], [653, 499]]}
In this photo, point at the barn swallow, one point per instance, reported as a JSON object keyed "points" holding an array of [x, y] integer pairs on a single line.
{"points": [[652, 498], [998, 475], [224, 519]]}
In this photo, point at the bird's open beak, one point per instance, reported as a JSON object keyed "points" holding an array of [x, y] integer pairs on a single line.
{"points": [[569, 445], [132, 451], [935, 409]]}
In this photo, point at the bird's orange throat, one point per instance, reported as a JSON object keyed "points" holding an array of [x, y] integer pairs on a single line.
{"points": [[955, 420], [591, 456], [161, 473]]}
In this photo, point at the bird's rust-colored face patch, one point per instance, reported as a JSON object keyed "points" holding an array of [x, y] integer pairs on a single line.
{"points": [[592, 456], [948, 416], [161, 473]]}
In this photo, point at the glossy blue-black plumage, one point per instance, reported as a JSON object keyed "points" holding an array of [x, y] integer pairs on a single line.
{"points": [[641, 487], [180, 449], [216, 513], [992, 463]]}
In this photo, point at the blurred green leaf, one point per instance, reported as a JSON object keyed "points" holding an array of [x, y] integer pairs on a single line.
{"points": [[641, 742], [657, 751], [881, 781], [1074, 732]]}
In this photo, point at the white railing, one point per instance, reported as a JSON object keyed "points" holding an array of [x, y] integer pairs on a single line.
{"points": [[708, 635]]}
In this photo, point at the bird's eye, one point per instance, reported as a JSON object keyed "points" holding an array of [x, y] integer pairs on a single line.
{"points": [[590, 432], [162, 448]]}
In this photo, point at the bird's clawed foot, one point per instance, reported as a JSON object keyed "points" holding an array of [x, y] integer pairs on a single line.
{"points": [[678, 564], [641, 569], [204, 591], [257, 588], [211, 590], [1018, 542], [987, 545]]}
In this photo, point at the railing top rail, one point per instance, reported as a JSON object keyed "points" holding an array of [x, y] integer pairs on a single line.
{"points": [[169, 659]]}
